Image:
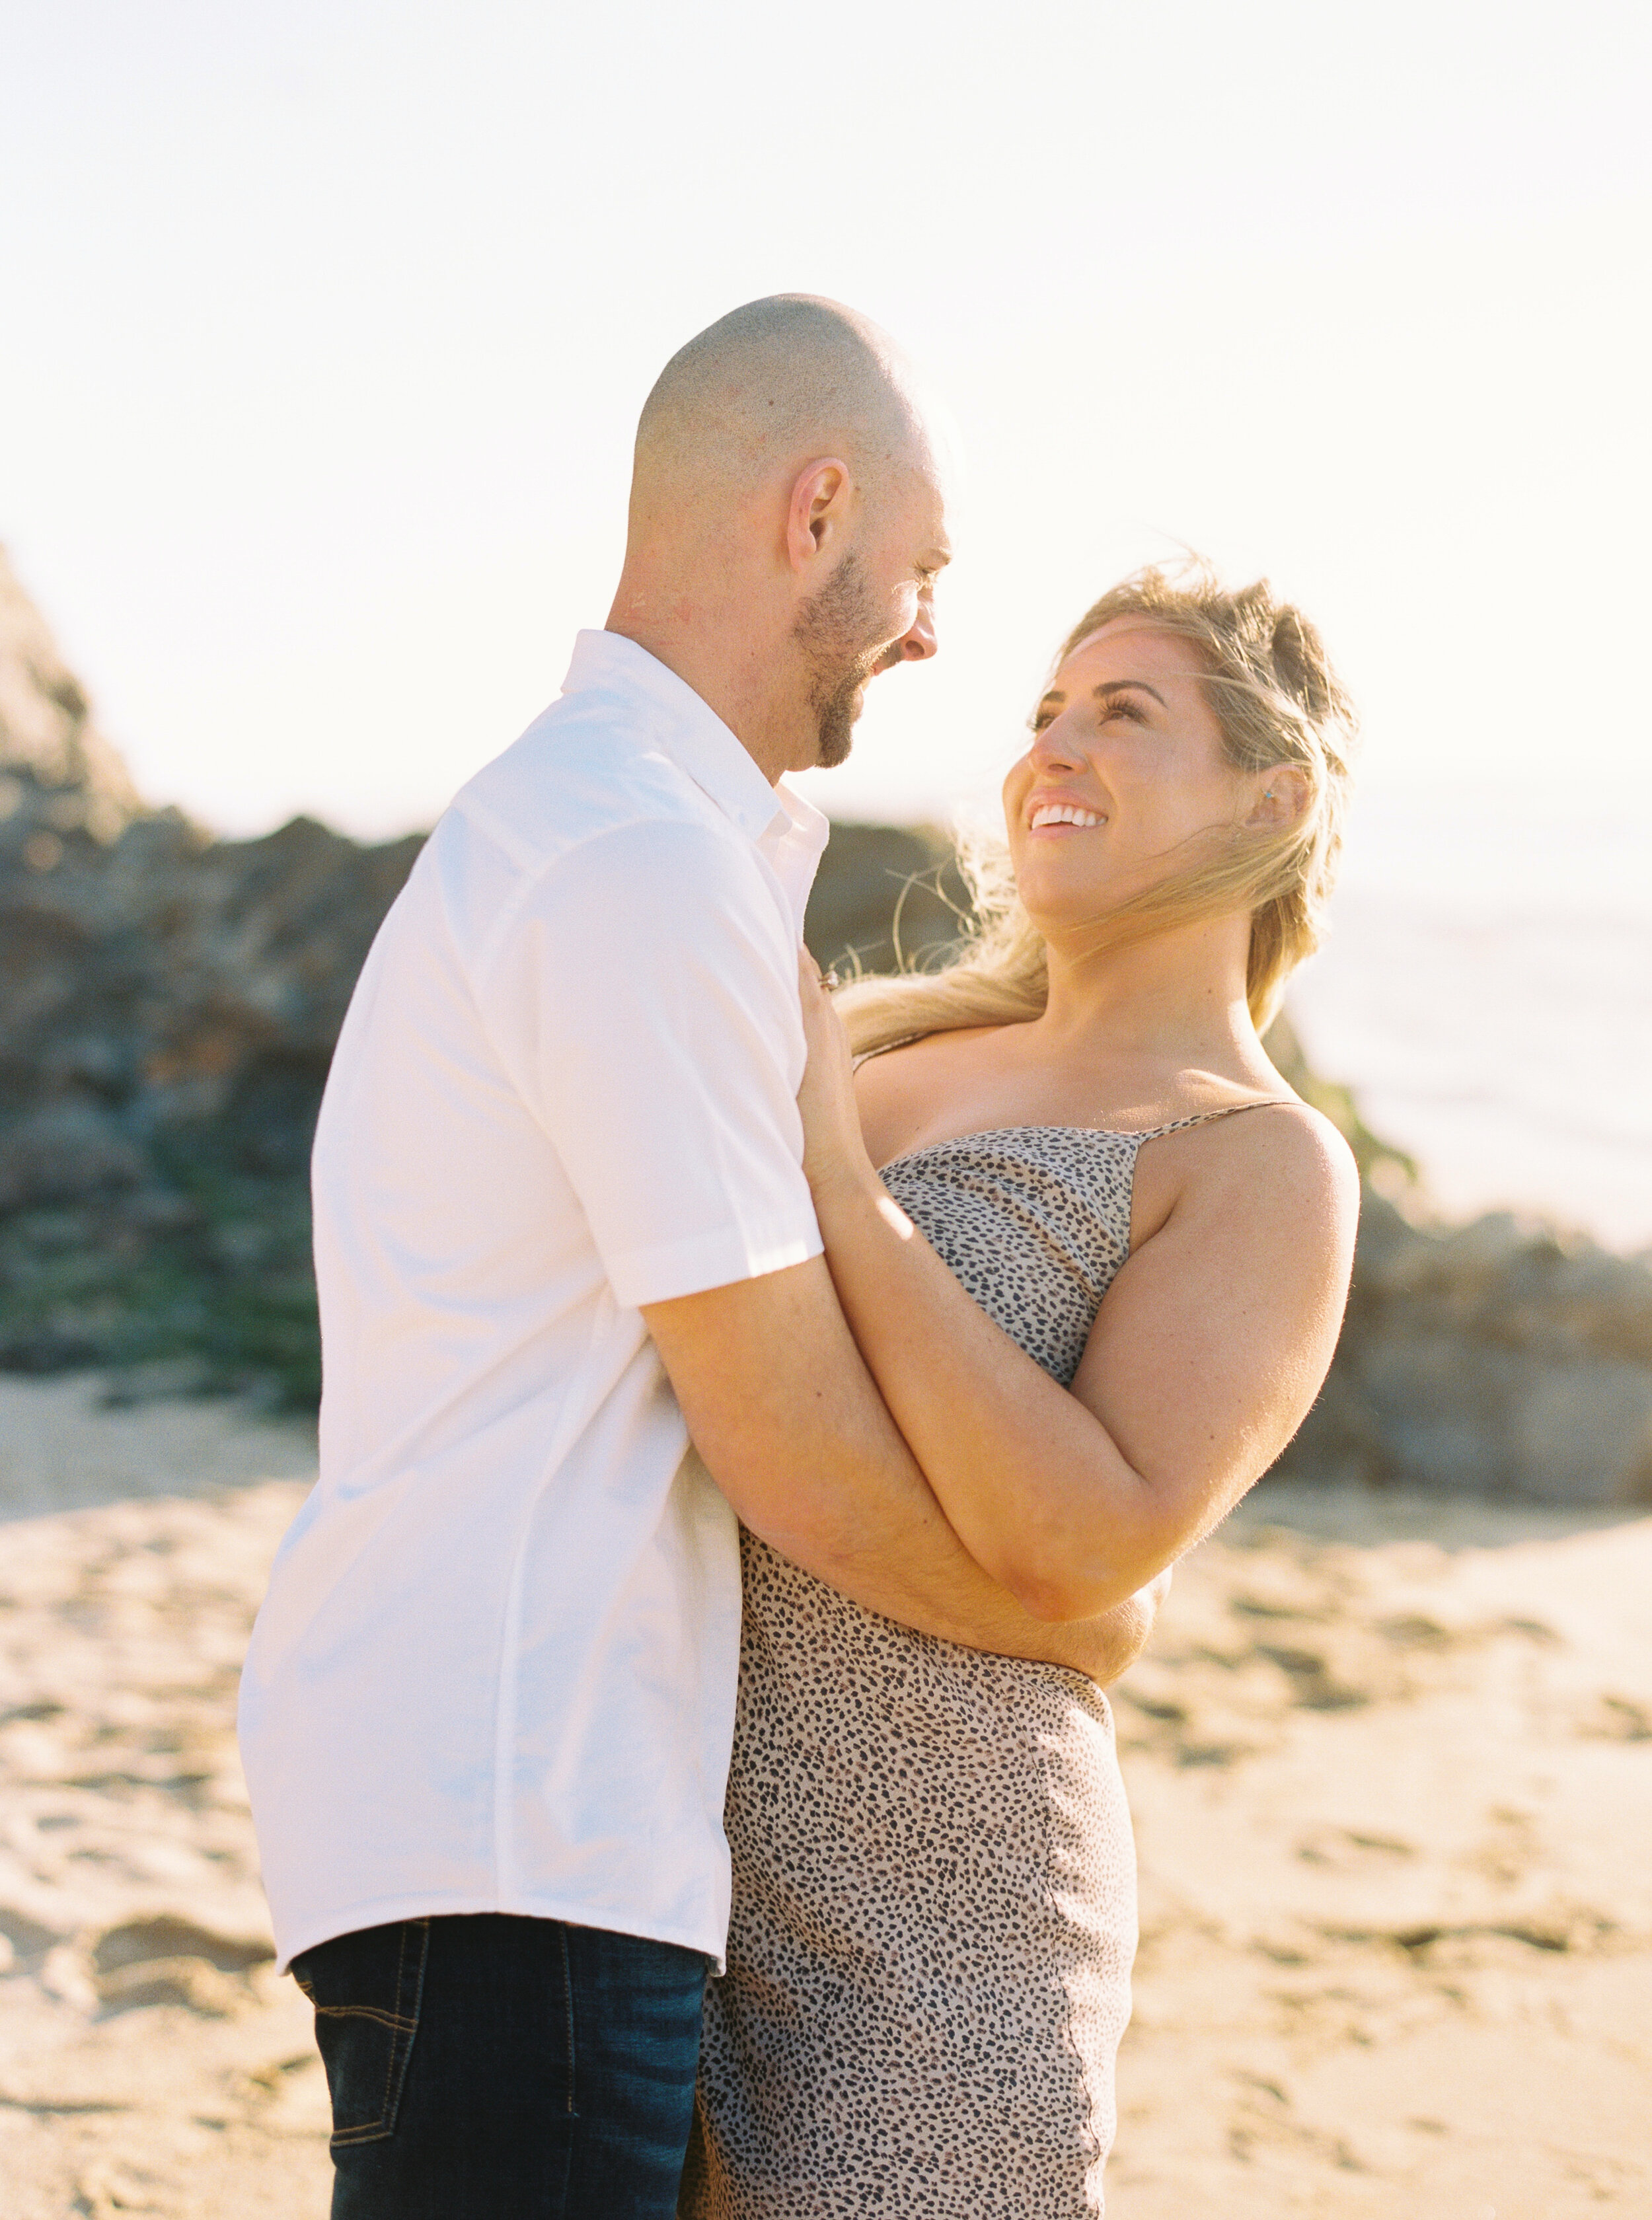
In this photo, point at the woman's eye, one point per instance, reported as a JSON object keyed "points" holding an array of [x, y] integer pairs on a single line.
{"points": [[1119, 705]]}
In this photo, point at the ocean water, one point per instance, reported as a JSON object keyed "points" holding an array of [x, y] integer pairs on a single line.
{"points": [[1486, 991]]}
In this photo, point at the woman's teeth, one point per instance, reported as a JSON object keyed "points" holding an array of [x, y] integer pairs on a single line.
{"points": [[1064, 813]]}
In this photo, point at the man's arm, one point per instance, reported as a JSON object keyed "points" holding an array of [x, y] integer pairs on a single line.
{"points": [[792, 1428]]}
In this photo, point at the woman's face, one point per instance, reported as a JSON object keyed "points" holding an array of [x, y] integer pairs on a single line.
{"points": [[1126, 766]]}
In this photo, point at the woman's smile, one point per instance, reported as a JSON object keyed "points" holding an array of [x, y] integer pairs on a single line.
{"points": [[1048, 813]]}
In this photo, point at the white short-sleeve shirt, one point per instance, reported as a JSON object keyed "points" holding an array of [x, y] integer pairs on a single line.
{"points": [[495, 1669]]}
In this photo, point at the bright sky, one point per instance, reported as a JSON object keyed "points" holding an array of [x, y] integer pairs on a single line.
{"points": [[324, 326]]}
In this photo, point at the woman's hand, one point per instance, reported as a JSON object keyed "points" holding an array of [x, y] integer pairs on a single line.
{"points": [[831, 1139]]}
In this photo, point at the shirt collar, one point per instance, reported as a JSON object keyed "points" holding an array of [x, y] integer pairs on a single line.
{"points": [[697, 740]]}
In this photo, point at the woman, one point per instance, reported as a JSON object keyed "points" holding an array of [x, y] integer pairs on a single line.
{"points": [[1098, 1302]]}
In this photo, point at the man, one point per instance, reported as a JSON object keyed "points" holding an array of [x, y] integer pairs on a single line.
{"points": [[488, 1709]]}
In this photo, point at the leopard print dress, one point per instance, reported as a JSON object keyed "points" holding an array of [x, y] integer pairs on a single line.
{"points": [[934, 1880]]}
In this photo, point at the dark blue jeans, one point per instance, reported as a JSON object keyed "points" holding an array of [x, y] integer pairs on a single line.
{"points": [[498, 2068]]}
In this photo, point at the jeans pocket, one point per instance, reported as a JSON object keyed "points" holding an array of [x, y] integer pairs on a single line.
{"points": [[366, 1989]]}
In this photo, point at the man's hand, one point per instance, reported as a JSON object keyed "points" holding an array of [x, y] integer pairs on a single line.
{"points": [[1107, 1647]]}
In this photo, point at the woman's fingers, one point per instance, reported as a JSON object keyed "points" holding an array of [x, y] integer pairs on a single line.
{"points": [[809, 974]]}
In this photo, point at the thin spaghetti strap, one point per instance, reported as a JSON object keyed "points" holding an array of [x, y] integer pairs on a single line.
{"points": [[1227, 1110]]}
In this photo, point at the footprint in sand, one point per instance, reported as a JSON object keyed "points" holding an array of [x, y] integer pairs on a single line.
{"points": [[171, 1961]]}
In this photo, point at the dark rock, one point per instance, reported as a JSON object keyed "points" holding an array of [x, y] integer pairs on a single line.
{"points": [[168, 1007], [1503, 1356], [62, 1152], [887, 895], [58, 776]]}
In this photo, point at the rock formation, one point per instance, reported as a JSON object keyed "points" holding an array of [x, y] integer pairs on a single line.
{"points": [[168, 1006], [1503, 1356], [55, 766]]}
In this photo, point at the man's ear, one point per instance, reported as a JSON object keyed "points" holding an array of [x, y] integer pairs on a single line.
{"points": [[821, 500], [1281, 798]]}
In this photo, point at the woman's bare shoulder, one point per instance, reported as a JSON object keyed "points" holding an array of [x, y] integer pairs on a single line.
{"points": [[1294, 1137], [1277, 1159]]}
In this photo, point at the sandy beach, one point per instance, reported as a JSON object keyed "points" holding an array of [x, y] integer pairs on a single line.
{"points": [[1390, 1760]]}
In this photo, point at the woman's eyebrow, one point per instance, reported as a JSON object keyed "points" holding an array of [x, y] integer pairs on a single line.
{"points": [[1123, 685]]}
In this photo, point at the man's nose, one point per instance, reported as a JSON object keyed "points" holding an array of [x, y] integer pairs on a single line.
{"points": [[919, 643]]}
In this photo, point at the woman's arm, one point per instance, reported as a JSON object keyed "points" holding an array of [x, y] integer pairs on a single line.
{"points": [[1212, 1341]]}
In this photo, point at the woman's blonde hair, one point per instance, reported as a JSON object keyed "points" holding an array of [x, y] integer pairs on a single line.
{"points": [[1278, 701]]}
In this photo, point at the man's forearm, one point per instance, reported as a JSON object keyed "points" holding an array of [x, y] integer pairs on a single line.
{"points": [[792, 1429], [926, 1580]]}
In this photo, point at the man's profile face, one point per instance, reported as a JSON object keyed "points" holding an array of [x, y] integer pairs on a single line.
{"points": [[876, 610]]}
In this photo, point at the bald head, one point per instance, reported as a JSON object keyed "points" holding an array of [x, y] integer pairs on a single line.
{"points": [[767, 388], [787, 523]]}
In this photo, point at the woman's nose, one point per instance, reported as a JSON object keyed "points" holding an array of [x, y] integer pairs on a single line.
{"points": [[1056, 748]]}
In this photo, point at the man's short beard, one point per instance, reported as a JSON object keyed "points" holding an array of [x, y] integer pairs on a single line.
{"points": [[835, 631]]}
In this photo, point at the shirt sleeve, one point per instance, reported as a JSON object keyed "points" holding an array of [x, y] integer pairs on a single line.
{"points": [[650, 983]]}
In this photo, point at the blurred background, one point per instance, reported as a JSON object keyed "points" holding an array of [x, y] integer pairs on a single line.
{"points": [[326, 332]]}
